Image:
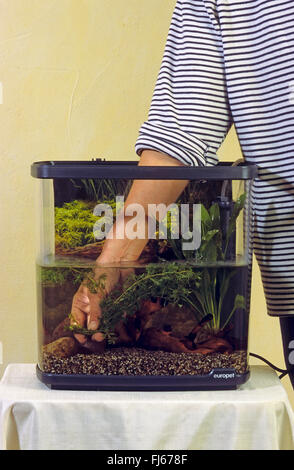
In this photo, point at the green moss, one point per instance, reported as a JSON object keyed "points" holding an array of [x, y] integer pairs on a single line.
{"points": [[60, 275], [74, 223], [55, 275]]}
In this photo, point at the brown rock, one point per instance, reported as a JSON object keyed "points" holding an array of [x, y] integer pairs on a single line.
{"points": [[62, 347], [62, 330]]}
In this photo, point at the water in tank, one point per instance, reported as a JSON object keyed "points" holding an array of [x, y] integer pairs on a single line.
{"points": [[176, 318]]}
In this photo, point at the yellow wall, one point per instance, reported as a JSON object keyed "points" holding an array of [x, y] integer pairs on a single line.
{"points": [[77, 81]]}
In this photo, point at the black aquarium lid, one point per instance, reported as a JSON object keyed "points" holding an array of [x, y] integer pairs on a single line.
{"points": [[131, 170]]}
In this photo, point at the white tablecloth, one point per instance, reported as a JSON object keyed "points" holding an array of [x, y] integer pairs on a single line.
{"points": [[33, 417]]}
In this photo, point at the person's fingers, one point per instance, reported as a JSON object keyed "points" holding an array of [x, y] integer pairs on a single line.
{"points": [[110, 279], [95, 312], [79, 310], [80, 338], [80, 306], [85, 308], [98, 337], [78, 317], [94, 316]]}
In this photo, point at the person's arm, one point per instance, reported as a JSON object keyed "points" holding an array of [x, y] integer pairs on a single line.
{"points": [[190, 115], [86, 309], [143, 192], [188, 119]]}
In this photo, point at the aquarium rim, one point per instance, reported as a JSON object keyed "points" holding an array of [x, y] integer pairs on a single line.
{"points": [[100, 169]]}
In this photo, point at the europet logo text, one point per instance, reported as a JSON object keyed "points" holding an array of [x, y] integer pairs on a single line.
{"points": [[155, 221], [225, 376]]}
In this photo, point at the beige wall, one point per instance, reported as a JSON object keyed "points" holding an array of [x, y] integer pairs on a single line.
{"points": [[77, 81]]}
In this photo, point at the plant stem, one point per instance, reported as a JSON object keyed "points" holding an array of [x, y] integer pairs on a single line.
{"points": [[150, 276]]}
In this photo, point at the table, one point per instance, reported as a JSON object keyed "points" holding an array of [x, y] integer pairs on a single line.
{"points": [[258, 416]]}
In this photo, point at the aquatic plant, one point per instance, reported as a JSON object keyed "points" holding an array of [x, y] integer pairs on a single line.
{"points": [[102, 189], [58, 276], [215, 282], [202, 288], [172, 282], [74, 223], [53, 276], [215, 241]]}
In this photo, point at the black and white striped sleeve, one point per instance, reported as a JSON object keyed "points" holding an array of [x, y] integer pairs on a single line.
{"points": [[189, 115]]}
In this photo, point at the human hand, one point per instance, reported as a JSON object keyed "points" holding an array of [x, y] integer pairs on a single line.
{"points": [[86, 309]]}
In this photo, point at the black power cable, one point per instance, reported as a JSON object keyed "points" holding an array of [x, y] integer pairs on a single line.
{"points": [[284, 372]]}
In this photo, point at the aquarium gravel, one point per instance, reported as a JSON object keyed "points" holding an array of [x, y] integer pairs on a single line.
{"points": [[136, 361]]}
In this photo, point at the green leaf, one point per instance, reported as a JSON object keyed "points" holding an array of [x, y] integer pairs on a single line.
{"points": [[215, 216], [239, 302], [209, 235], [238, 206], [205, 217]]}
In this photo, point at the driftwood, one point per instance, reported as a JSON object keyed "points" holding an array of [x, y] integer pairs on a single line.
{"points": [[136, 332], [91, 251]]}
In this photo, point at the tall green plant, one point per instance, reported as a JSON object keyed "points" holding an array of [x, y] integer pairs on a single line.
{"points": [[100, 189], [215, 281]]}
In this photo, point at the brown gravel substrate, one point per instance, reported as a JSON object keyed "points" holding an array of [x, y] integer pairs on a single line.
{"points": [[135, 361]]}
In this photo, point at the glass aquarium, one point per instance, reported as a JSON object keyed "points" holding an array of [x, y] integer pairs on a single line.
{"points": [[177, 318]]}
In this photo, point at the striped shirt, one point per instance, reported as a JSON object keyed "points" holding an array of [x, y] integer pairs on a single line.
{"points": [[225, 62]]}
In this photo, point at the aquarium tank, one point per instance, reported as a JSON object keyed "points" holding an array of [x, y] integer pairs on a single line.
{"points": [[175, 319]]}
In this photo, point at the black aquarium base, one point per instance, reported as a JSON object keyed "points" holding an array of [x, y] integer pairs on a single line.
{"points": [[217, 379]]}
